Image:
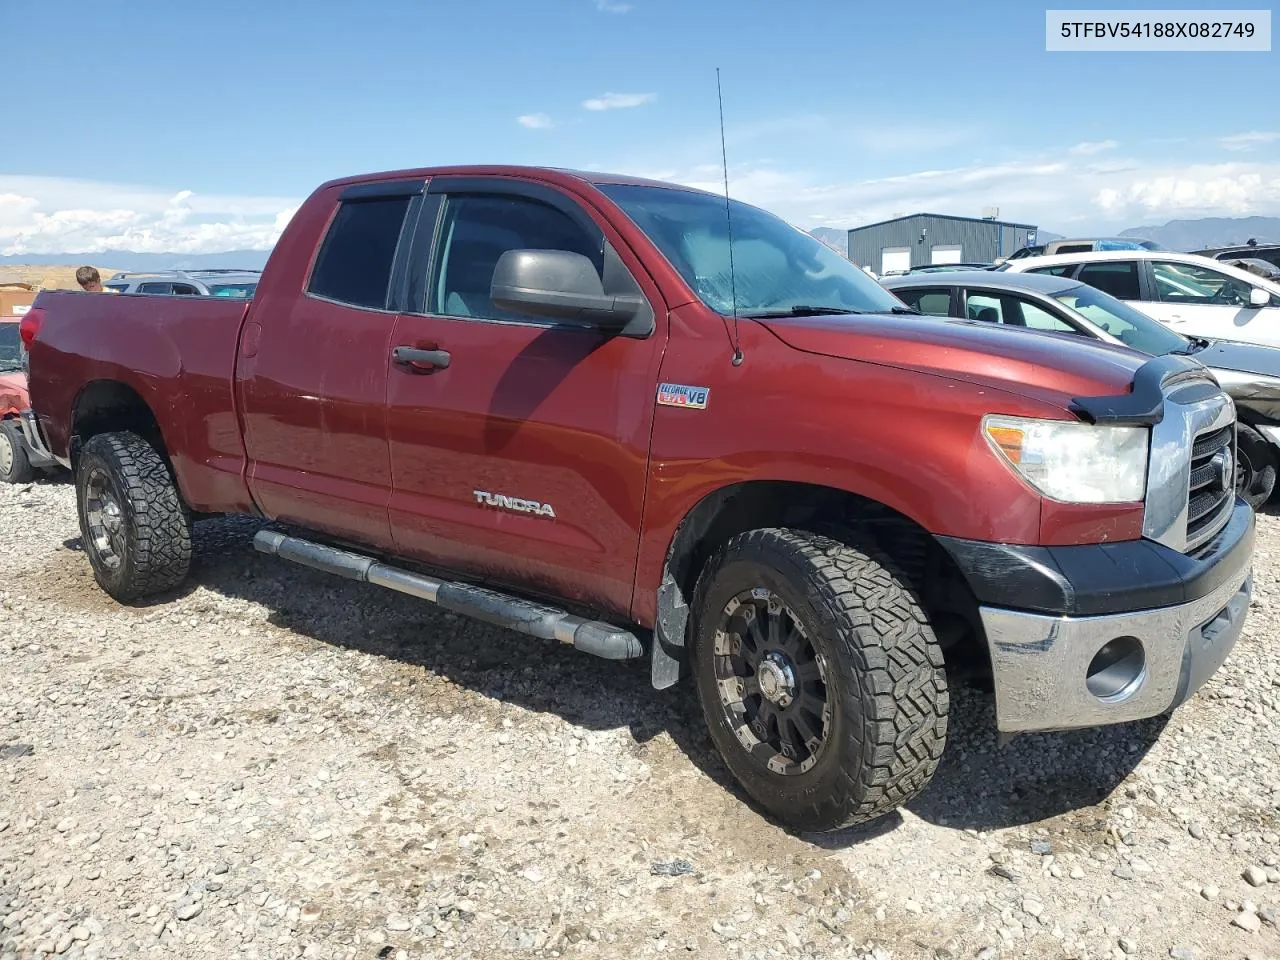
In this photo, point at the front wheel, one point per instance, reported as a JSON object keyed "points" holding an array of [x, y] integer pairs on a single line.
{"points": [[1256, 464], [132, 521], [821, 681], [15, 465]]}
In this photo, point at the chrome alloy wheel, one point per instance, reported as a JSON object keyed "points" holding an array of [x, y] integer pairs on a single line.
{"points": [[105, 519], [772, 683]]}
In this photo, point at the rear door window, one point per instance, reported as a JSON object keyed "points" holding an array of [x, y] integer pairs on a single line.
{"points": [[1116, 277], [355, 260], [164, 288]]}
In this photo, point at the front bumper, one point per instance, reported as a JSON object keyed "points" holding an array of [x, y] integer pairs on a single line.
{"points": [[1049, 611]]}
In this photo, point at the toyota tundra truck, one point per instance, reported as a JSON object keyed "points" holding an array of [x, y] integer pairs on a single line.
{"points": [[570, 405]]}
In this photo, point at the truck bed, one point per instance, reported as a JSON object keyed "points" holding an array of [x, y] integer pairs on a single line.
{"points": [[133, 339]]}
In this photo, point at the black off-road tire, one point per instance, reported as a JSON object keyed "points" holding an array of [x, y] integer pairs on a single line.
{"points": [[15, 465], [1258, 464], [885, 682], [155, 534]]}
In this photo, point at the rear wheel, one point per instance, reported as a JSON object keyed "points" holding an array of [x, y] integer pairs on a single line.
{"points": [[821, 681], [1256, 464], [132, 521], [15, 465]]}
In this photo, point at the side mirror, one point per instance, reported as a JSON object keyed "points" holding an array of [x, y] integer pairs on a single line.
{"points": [[1258, 297], [559, 285]]}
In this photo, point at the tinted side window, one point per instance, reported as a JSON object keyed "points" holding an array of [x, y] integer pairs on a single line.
{"points": [[984, 307], [934, 302], [184, 289], [478, 229], [1061, 270], [354, 265], [1189, 283], [1036, 317], [1118, 278], [154, 287]]}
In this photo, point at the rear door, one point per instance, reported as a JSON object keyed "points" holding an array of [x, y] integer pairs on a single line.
{"points": [[313, 374], [524, 459]]}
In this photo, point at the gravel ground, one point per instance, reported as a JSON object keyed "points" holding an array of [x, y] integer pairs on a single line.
{"points": [[277, 763]]}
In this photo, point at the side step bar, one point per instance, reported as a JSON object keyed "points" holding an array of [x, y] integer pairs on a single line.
{"points": [[548, 623]]}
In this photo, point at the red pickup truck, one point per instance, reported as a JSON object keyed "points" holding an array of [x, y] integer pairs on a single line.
{"points": [[565, 403]]}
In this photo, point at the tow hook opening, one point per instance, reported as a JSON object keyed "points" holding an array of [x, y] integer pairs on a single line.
{"points": [[1117, 670]]}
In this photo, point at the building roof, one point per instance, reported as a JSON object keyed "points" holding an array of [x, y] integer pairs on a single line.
{"points": [[944, 216]]}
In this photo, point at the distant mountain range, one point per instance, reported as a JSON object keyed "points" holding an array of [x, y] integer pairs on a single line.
{"points": [[140, 262], [1209, 232], [1184, 235]]}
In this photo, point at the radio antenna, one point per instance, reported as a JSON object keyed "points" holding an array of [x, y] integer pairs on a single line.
{"points": [[736, 339]]}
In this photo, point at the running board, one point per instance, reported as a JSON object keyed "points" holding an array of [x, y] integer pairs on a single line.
{"points": [[548, 623]]}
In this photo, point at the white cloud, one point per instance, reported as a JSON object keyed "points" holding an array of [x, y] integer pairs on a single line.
{"points": [[612, 6], [1247, 141], [1090, 147], [1055, 193], [618, 101], [48, 215], [535, 121]]}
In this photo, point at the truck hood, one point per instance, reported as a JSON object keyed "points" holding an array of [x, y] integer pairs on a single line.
{"points": [[1042, 365]]}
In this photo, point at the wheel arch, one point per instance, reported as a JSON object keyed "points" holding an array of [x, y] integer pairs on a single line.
{"points": [[107, 406], [736, 508]]}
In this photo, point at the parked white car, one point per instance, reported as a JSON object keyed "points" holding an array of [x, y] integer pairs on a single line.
{"points": [[1189, 293]]}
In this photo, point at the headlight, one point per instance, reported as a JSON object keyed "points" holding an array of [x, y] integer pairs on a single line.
{"points": [[1073, 462]]}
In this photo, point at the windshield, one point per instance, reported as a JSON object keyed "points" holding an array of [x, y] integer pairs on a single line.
{"points": [[232, 289], [776, 268], [1129, 326], [10, 347]]}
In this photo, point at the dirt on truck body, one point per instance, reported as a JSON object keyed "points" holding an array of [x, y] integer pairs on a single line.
{"points": [[553, 401]]}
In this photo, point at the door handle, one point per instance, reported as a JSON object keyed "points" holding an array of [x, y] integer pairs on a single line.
{"points": [[421, 359]]}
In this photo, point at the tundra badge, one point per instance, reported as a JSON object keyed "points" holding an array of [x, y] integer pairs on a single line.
{"points": [[679, 395], [514, 503]]}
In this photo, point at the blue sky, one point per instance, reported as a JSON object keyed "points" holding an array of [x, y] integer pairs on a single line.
{"points": [[150, 129]]}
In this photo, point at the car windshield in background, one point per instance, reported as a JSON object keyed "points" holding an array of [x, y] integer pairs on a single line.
{"points": [[10, 347], [777, 269], [242, 290], [1129, 326]]}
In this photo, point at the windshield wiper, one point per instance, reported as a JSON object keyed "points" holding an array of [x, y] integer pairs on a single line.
{"points": [[800, 310], [914, 313]]}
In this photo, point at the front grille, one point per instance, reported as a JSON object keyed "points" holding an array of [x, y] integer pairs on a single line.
{"points": [[1211, 491]]}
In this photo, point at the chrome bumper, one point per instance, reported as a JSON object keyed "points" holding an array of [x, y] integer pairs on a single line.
{"points": [[1041, 663]]}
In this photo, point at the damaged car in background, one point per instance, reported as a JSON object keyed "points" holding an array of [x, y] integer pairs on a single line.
{"points": [[1249, 373]]}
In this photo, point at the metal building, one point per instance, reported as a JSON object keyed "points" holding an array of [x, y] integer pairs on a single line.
{"points": [[894, 246]]}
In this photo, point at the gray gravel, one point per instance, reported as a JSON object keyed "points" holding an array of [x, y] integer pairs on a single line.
{"points": [[275, 763]]}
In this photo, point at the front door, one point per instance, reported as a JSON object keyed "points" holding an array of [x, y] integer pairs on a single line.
{"points": [[519, 446], [1201, 301], [312, 376]]}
